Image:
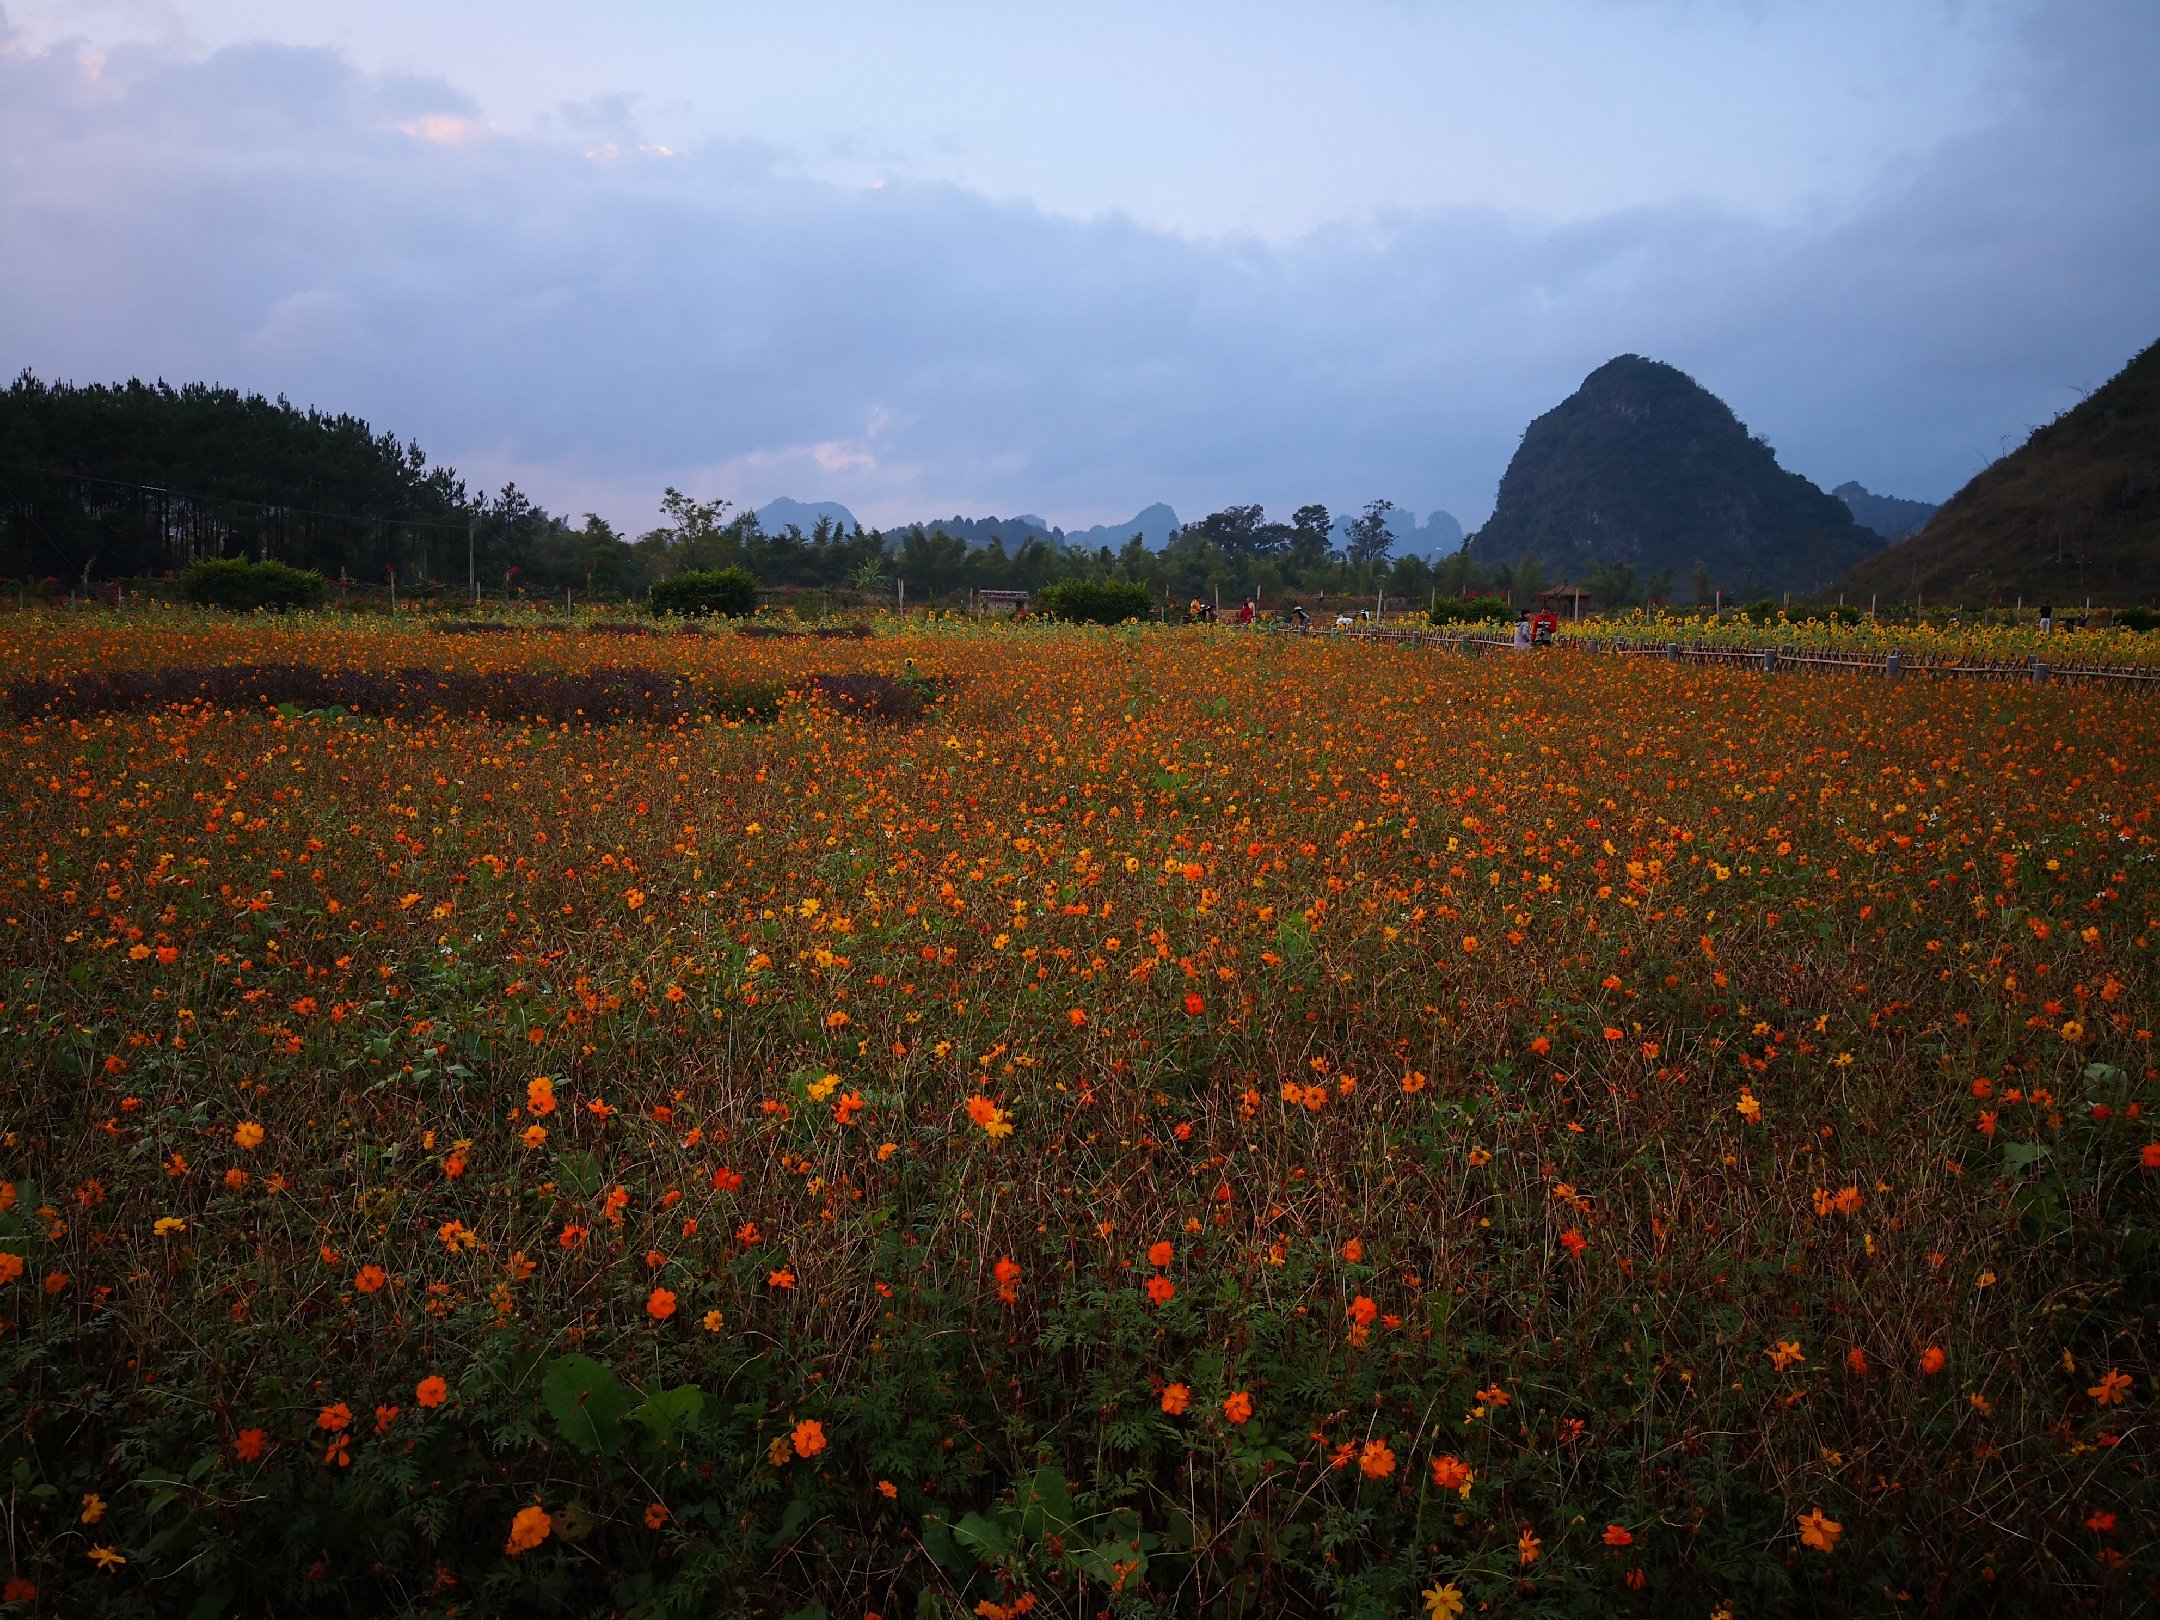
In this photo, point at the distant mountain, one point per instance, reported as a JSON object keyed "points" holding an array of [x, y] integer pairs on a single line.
{"points": [[1439, 536], [774, 516], [1011, 532], [1644, 466], [1154, 524], [2071, 513], [1888, 515]]}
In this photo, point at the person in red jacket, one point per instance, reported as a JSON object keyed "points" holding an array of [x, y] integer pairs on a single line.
{"points": [[1544, 627], [1245, 614]]}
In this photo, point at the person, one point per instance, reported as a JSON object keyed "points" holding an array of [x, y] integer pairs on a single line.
{"points": [[1544, 627], [1304, 619], [1245, 615], [2047, 620], [1522, 631]]}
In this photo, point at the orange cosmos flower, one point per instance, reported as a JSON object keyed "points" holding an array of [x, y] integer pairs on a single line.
{"points": [[661, 1305], [809, 1437], [331, 1419], [370, 1278], [248, 1444], [528, 1529], [1161, 1254], [2111, 1388], [1932, 1360], [1237, 1407], [1175, 1398], [1353, 1251], [1007, 1272], [1161, 1290], [248, 1135], [783, 1278], [1453, 1474], [1819, 1532], [655, 1516], [1194, 1005], [431, 1392], [1619, 1536], [1375, 1460]]}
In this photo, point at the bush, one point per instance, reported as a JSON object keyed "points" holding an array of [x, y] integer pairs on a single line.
{"points": [[1094, 601], [2142, 620], [228, 582], [1764, 611], [1469, 610], [729, 592]]}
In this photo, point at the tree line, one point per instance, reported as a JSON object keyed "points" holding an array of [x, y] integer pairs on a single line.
{"points": [[141, 480]]}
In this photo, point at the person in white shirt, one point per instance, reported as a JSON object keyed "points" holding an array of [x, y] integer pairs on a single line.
{"points": [[1522, 632]]}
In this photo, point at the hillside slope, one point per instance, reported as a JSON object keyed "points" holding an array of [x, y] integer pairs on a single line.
{"points": [[2071, 513], [1642, 465]]}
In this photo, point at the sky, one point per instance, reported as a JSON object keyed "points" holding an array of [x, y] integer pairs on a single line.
{"points": [[962, 257]]}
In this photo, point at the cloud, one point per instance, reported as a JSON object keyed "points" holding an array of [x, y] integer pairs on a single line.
{"points": [[600, 326]]}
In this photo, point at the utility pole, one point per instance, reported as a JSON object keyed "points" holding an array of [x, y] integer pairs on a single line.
{"points": [[472, 578]]}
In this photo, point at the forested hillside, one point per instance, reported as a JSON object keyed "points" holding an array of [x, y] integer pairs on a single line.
{"points": [[2071, 513]]}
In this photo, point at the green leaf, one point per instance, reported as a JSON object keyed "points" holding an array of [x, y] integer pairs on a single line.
{"points": [[2021, 1156], [945, 1551], [666, 1411], [578, 1174], [1046, 1505], [576, 1521], [587, 1402], [976, 1531]]}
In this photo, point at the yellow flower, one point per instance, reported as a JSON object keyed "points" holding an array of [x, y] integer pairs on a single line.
{"points": [[167, 1225], [106, 1557], [248, 1135], [1444, 1602], [93, 1507]]}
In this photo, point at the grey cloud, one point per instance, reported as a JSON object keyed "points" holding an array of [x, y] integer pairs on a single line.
{"points": [[602, 324]]}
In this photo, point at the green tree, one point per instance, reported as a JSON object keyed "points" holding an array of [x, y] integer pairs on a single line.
{"points": [[1369, 538]]}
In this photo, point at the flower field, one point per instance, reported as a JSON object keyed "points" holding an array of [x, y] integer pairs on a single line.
{"points": [[1972, 640], [1158, 1122]]}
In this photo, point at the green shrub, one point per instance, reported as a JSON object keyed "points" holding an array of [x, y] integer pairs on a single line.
{"points": [[2142, 620], [228, 582], [1094, 601], [1469, 610], [729, 592], [1764, 611]]}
